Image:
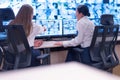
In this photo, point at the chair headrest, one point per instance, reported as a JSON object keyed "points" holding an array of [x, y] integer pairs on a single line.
{"points": [[107, 19]]}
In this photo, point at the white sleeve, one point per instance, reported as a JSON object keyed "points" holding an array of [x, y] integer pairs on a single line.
{"points": [[38, 29], [35, 31], [78, 39]]}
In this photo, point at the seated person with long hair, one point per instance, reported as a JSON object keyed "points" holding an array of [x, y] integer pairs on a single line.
{"points": [[24, 17]]}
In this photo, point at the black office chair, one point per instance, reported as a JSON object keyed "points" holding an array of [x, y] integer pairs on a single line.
{"points": [[44, 57], [102, 48], [18, 52], [107, 19]]}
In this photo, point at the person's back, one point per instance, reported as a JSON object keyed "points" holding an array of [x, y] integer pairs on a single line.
{"points": [[85, 29], [24, 17]]}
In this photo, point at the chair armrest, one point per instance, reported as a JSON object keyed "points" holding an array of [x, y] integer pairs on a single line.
{"points": [[43, 56], [44, 59], [78, 49]]}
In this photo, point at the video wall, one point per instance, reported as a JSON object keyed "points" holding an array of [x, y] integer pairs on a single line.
{"points": [[58, 16]]}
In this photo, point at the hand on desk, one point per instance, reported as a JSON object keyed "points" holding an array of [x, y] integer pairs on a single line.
{"points": [[38, 43]]}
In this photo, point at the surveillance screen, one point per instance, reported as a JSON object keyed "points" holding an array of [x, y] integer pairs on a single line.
{"points": [[55, 14], [69, 26], [53, 27]]}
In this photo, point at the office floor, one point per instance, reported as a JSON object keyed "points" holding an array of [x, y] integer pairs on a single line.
{"points": [[116, 70], [59, 57]]}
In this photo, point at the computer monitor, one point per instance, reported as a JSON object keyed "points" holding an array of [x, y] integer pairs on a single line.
{"points": [[53, 28], [69, 27], [96, 21], [64, 10], [117, 22], [6, 22], [6, 14]]}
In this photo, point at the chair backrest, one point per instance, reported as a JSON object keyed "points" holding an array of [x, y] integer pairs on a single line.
{"points": [[102, 47], [107, 19], [18, 46]]}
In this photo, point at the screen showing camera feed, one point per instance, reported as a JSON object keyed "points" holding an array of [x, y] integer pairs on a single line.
{"points": [[50, 12], [69, 26], [53, 27]]}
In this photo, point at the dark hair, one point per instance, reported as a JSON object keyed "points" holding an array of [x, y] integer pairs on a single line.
{"points": [[83, 9]]}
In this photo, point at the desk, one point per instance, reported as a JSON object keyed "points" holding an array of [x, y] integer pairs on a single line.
{"points": [[50, 44], [118, 38], [58, 54], [66, 71], [47, 44]]}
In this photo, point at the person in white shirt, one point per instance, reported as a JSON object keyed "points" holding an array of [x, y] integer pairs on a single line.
{"points": [[85, 28], [24, 17]]}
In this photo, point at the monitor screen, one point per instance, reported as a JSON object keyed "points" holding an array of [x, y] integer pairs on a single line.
{"points": [[53, 28], [6, 22], [116, 20], [16, 4], [69, 27], [59, 12], [96, 21]]}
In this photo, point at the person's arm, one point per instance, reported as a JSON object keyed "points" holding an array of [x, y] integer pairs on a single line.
{"points": [[78, 39], [39, 29], [60, 43], [75, 41]]}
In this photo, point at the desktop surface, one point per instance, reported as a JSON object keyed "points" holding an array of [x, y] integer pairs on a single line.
{"points": [[65, 71], [48, 44]]}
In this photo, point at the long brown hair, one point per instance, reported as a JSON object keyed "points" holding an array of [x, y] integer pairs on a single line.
{"points": [[24, 17]]}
